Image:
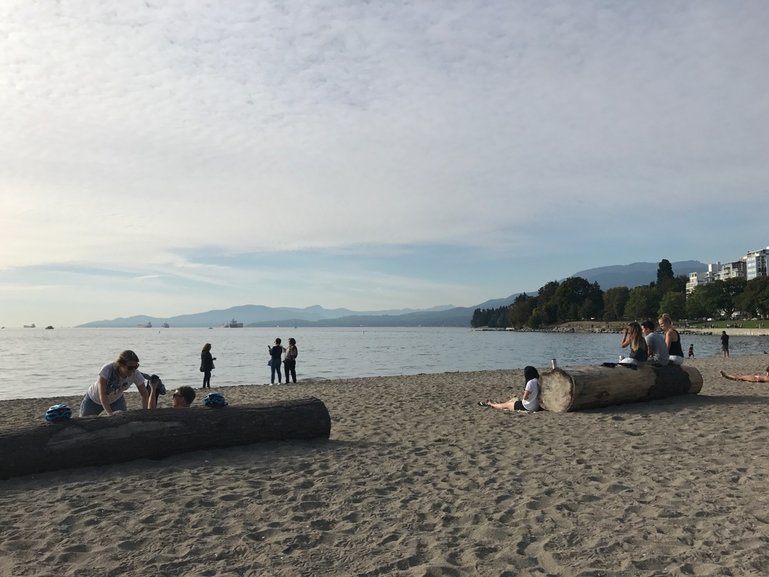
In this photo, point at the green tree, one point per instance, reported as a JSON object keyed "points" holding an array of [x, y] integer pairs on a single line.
{"points": [[665, 276], [705, 301], [520, 311], [732, 288], [614, 301], [642, 303], [673, 303], [576, 299], [754, 300]]}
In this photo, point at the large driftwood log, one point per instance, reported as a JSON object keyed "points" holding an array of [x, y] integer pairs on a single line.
{"points": [[152, 434], [591, 386]]}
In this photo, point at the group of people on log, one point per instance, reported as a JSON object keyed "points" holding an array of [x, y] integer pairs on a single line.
{"points": [[106, 394], [647, 345]]}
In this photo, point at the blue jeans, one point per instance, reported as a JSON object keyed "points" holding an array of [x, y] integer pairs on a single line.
{"points": [[88, 408], [275, 368]]}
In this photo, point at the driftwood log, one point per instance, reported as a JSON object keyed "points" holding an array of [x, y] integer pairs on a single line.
{"points": [[153, 434], [591, 386]]}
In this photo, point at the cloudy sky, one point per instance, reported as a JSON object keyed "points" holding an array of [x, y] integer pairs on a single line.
{"points": [[175, 156]]}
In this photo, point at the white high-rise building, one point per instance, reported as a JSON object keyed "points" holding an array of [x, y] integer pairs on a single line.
{"points": [[755, 263]]}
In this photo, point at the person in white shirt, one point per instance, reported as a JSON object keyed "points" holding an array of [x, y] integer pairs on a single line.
{"points": [[529, 401], [106, 394]]}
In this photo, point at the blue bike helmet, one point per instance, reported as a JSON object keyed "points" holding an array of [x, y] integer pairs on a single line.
{"points": [[58, 413], [214, 400]]}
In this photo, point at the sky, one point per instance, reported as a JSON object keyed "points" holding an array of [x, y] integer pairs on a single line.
{"points": [[174, 157]]}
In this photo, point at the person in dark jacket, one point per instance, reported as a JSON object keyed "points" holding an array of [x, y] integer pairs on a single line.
{"points": [[276, 353], [206, 365]]}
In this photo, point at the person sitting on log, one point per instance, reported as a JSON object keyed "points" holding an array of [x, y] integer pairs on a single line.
{"points": [[655, 344], [748, 378], [634, 340], [672, 340], [530, 400]]}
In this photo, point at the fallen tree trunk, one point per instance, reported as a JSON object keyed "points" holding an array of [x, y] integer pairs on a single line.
{"points": [[153, 434], [591, 386]]}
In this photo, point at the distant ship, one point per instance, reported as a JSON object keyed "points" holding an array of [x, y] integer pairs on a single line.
{"points": [[147, 326], [32, 326], [49, 327], [233, 324], [166, 326]]}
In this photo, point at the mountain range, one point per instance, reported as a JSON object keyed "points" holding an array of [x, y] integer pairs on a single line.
{"points": [[631, 275]]}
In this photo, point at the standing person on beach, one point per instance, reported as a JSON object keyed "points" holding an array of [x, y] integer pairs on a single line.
{"points": [[290, 363], [748, 378], [206, 365], [724, 344], [530, 400], [691, 350], [276, 352], [106, 394], [655, 343], [633, 339], [672, 340]]}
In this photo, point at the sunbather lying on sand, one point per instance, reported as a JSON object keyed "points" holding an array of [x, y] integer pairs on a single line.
{"points": [[748, 378]]}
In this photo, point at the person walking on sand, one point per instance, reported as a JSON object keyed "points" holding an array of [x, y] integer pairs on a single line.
{"points": [[290, 363], [748, 378], [106, 394], [672, 340], [276, 352], [206, 365], [724, 344], [530, 400]]}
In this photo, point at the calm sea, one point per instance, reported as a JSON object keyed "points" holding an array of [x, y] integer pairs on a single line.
{"points": [[62, 362]]}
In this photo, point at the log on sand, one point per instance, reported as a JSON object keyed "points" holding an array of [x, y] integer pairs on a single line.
{"points": [[153, 434], [591, 386]]}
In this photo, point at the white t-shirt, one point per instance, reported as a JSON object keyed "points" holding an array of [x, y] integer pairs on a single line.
{"points": [[532, 403], [116, 385]]}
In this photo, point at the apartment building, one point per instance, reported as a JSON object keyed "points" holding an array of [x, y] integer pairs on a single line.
{"points": [[755, 263]]}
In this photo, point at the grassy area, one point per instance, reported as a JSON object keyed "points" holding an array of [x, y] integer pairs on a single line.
{"points": [[762, 324], [619, 325]]}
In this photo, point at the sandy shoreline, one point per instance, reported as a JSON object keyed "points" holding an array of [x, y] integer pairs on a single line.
{"points": [[418, 480]]}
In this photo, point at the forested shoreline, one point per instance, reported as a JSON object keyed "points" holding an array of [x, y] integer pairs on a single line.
{"points": [[576, 299]]}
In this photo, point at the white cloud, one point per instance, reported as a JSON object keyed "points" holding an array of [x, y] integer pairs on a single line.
{"points": [[134, 132]]}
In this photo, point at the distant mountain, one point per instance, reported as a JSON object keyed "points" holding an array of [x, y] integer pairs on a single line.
{"points": [[631, 275], [636, 274], [254, 315]]}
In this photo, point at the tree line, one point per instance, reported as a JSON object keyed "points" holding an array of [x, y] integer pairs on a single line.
{"points": [[576, 299]]}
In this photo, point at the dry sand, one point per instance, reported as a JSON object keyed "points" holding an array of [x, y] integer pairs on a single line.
{"points": [[418, 480]]}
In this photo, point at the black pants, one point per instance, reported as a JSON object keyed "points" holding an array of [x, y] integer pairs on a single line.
{"points": [[290, 369], [206, 379]]}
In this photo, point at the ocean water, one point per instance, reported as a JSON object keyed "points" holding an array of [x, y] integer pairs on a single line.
{"points": [[65, 361]]}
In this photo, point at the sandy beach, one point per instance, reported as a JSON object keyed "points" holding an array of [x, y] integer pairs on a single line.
{"points": [[418, 480]]}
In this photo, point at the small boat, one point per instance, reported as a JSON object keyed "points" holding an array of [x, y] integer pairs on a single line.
{"points": [[147, 326], [166, 326], [32, 326], [49, 327], [233, 324]]}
